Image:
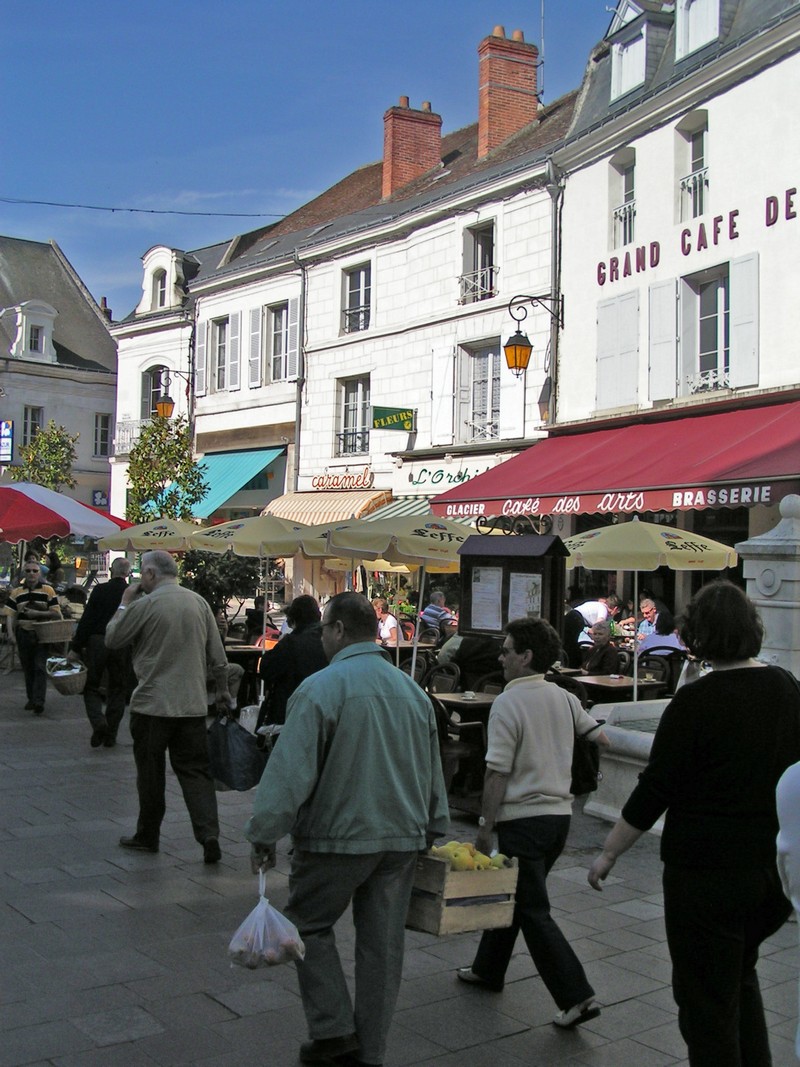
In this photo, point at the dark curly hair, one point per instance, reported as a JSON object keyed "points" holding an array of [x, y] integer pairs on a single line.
{"points": [[303, 611], [538, 636], [722, 624]]}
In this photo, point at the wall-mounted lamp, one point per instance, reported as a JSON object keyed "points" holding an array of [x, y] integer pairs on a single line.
{"points": [[518, 348], [165, 405], [544, 399]]}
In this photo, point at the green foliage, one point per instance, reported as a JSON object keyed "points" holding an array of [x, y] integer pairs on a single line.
{"points": [[164, 480], [220, 578], [48, 460]]}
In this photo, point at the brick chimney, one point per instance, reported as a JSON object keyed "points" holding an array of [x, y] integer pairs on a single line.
{"points": [[412, 144], [507, 99], [105, 310]]}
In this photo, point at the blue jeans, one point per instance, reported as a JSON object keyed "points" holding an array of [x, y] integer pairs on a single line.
{"points": [[321, 886], [716, 920], [536, 842]]}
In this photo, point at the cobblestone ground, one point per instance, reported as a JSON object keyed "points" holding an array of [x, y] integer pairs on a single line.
{"points": [[117, 959]]}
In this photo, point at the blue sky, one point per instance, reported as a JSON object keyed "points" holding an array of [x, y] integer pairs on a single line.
{"points": [[248, 106]]}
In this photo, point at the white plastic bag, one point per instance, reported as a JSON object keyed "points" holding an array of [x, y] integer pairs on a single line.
{"points": [[248, 717], [266, 938]]}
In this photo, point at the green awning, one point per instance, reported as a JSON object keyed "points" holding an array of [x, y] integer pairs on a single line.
{"points": [[227, 472]]}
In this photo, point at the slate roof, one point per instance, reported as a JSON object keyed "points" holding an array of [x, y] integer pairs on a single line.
{"points": [[34, 270], [740, 19]]}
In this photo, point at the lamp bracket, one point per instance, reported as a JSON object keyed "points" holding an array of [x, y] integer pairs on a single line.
{"points": [[553, 305]]}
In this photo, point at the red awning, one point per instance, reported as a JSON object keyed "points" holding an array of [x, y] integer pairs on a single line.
{"points": [[729, 459]]}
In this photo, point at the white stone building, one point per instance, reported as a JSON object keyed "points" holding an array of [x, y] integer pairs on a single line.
{"points": [[57, 361]]}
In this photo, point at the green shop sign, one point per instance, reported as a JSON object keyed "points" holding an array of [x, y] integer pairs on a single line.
{"points": [[394, 419]]}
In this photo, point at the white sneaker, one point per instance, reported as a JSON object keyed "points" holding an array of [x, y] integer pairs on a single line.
{"points": [[576, 1015]]}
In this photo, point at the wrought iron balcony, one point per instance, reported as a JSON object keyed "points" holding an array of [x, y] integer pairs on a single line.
{"points": [[694, 188], [126, 434], [478, 285]]}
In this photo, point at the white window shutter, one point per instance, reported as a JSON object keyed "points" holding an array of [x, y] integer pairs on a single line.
{"points": [[744, 301], [663, 340], [688, 317], [254, 352], [607, 350], [293, 347], [512, 404], [463, 397], [618, 351], [200, 359], [234, 333], [442, 396]]}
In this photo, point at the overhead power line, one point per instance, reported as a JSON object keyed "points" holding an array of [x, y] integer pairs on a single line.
{"points": [[147, 210]]}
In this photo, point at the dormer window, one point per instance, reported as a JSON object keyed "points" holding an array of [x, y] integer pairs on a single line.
{"points": [[696, 24], [34, 337], [159, 289], [628, 64]]}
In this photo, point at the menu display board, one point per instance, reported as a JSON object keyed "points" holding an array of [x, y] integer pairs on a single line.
{"points": [[487, 585]]}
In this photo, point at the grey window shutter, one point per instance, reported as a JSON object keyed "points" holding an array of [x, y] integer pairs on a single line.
{"points": [[744, 321], [663, 340], [200, 359], [442, 397], [147, 395], [254, 356], [234, 332], [294, 339]]}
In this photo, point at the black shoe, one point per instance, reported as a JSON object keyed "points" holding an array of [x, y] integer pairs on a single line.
{"points": [[466, 974], [109, 741], [211, 851], [38, 709], [326, 1049], [99, 734], [29, 706], [137, 844]]}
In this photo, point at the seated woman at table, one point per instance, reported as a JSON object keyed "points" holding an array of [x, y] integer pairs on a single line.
{"points": [[663, 638], [603, 657], [295, 657], [388, 630]]}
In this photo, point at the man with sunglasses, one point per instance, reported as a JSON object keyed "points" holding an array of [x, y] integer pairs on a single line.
{"points": [[30, 603]]}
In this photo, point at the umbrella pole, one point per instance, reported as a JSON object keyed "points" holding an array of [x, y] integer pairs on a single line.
{"points": [[263, 569], [416, 625], [635, 635]]}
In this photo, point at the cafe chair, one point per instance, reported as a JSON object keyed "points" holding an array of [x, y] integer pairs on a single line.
{"points": [[421, 667], [656, 666], [673, 658], [456, 752], [407, 628], [429, 634], [624, 661], [490, 683], [442, 678]]}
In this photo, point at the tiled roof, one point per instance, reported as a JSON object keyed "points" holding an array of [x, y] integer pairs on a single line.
{"points": [[355, 202]]}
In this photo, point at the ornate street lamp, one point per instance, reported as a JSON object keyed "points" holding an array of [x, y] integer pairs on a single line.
{"points": [[518, 348], [165, 405]]}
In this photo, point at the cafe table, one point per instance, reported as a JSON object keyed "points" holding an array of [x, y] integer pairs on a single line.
{"points": [[602, 687], [248, 657]]}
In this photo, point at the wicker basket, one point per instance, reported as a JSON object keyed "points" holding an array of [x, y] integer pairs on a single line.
{"points": [[54, 633], [69, 685]]}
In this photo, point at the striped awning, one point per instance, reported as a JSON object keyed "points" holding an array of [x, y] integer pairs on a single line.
{"points": [[327, 506], [403, 505]]}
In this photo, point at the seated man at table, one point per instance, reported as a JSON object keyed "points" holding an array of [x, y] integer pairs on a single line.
{"points": [[439, 617], [603, 657], [235, 670]]}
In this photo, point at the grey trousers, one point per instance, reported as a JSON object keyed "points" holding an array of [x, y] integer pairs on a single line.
{"points": [[321, 886]]}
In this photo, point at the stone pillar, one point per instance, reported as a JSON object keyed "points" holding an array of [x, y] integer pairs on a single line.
{"points": [[772, 570]]}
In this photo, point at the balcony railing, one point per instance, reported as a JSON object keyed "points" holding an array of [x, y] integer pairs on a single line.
{"points": [[478, 429], [624, 217], [694, 189], [707, 380], [478, 285], [127, 433], [356, 319], [352, 442]]}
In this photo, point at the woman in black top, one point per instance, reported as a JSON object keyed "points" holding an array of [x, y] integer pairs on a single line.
{"points": [[296, 656], [720, 748], [603, 657]]}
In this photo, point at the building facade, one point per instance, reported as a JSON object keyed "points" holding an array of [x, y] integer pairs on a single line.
{"points": [[58, 362]]}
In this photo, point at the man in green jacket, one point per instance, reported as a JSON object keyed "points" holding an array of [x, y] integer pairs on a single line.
{"points": [[357, 780]]}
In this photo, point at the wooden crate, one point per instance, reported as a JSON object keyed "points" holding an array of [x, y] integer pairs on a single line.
{"points": [[444, 901]]}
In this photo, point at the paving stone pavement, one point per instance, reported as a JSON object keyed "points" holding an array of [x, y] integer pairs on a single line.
{"points": [[112, 959]]}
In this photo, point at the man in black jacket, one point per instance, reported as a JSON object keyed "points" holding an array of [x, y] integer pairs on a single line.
{"points": [[89, 645]]}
